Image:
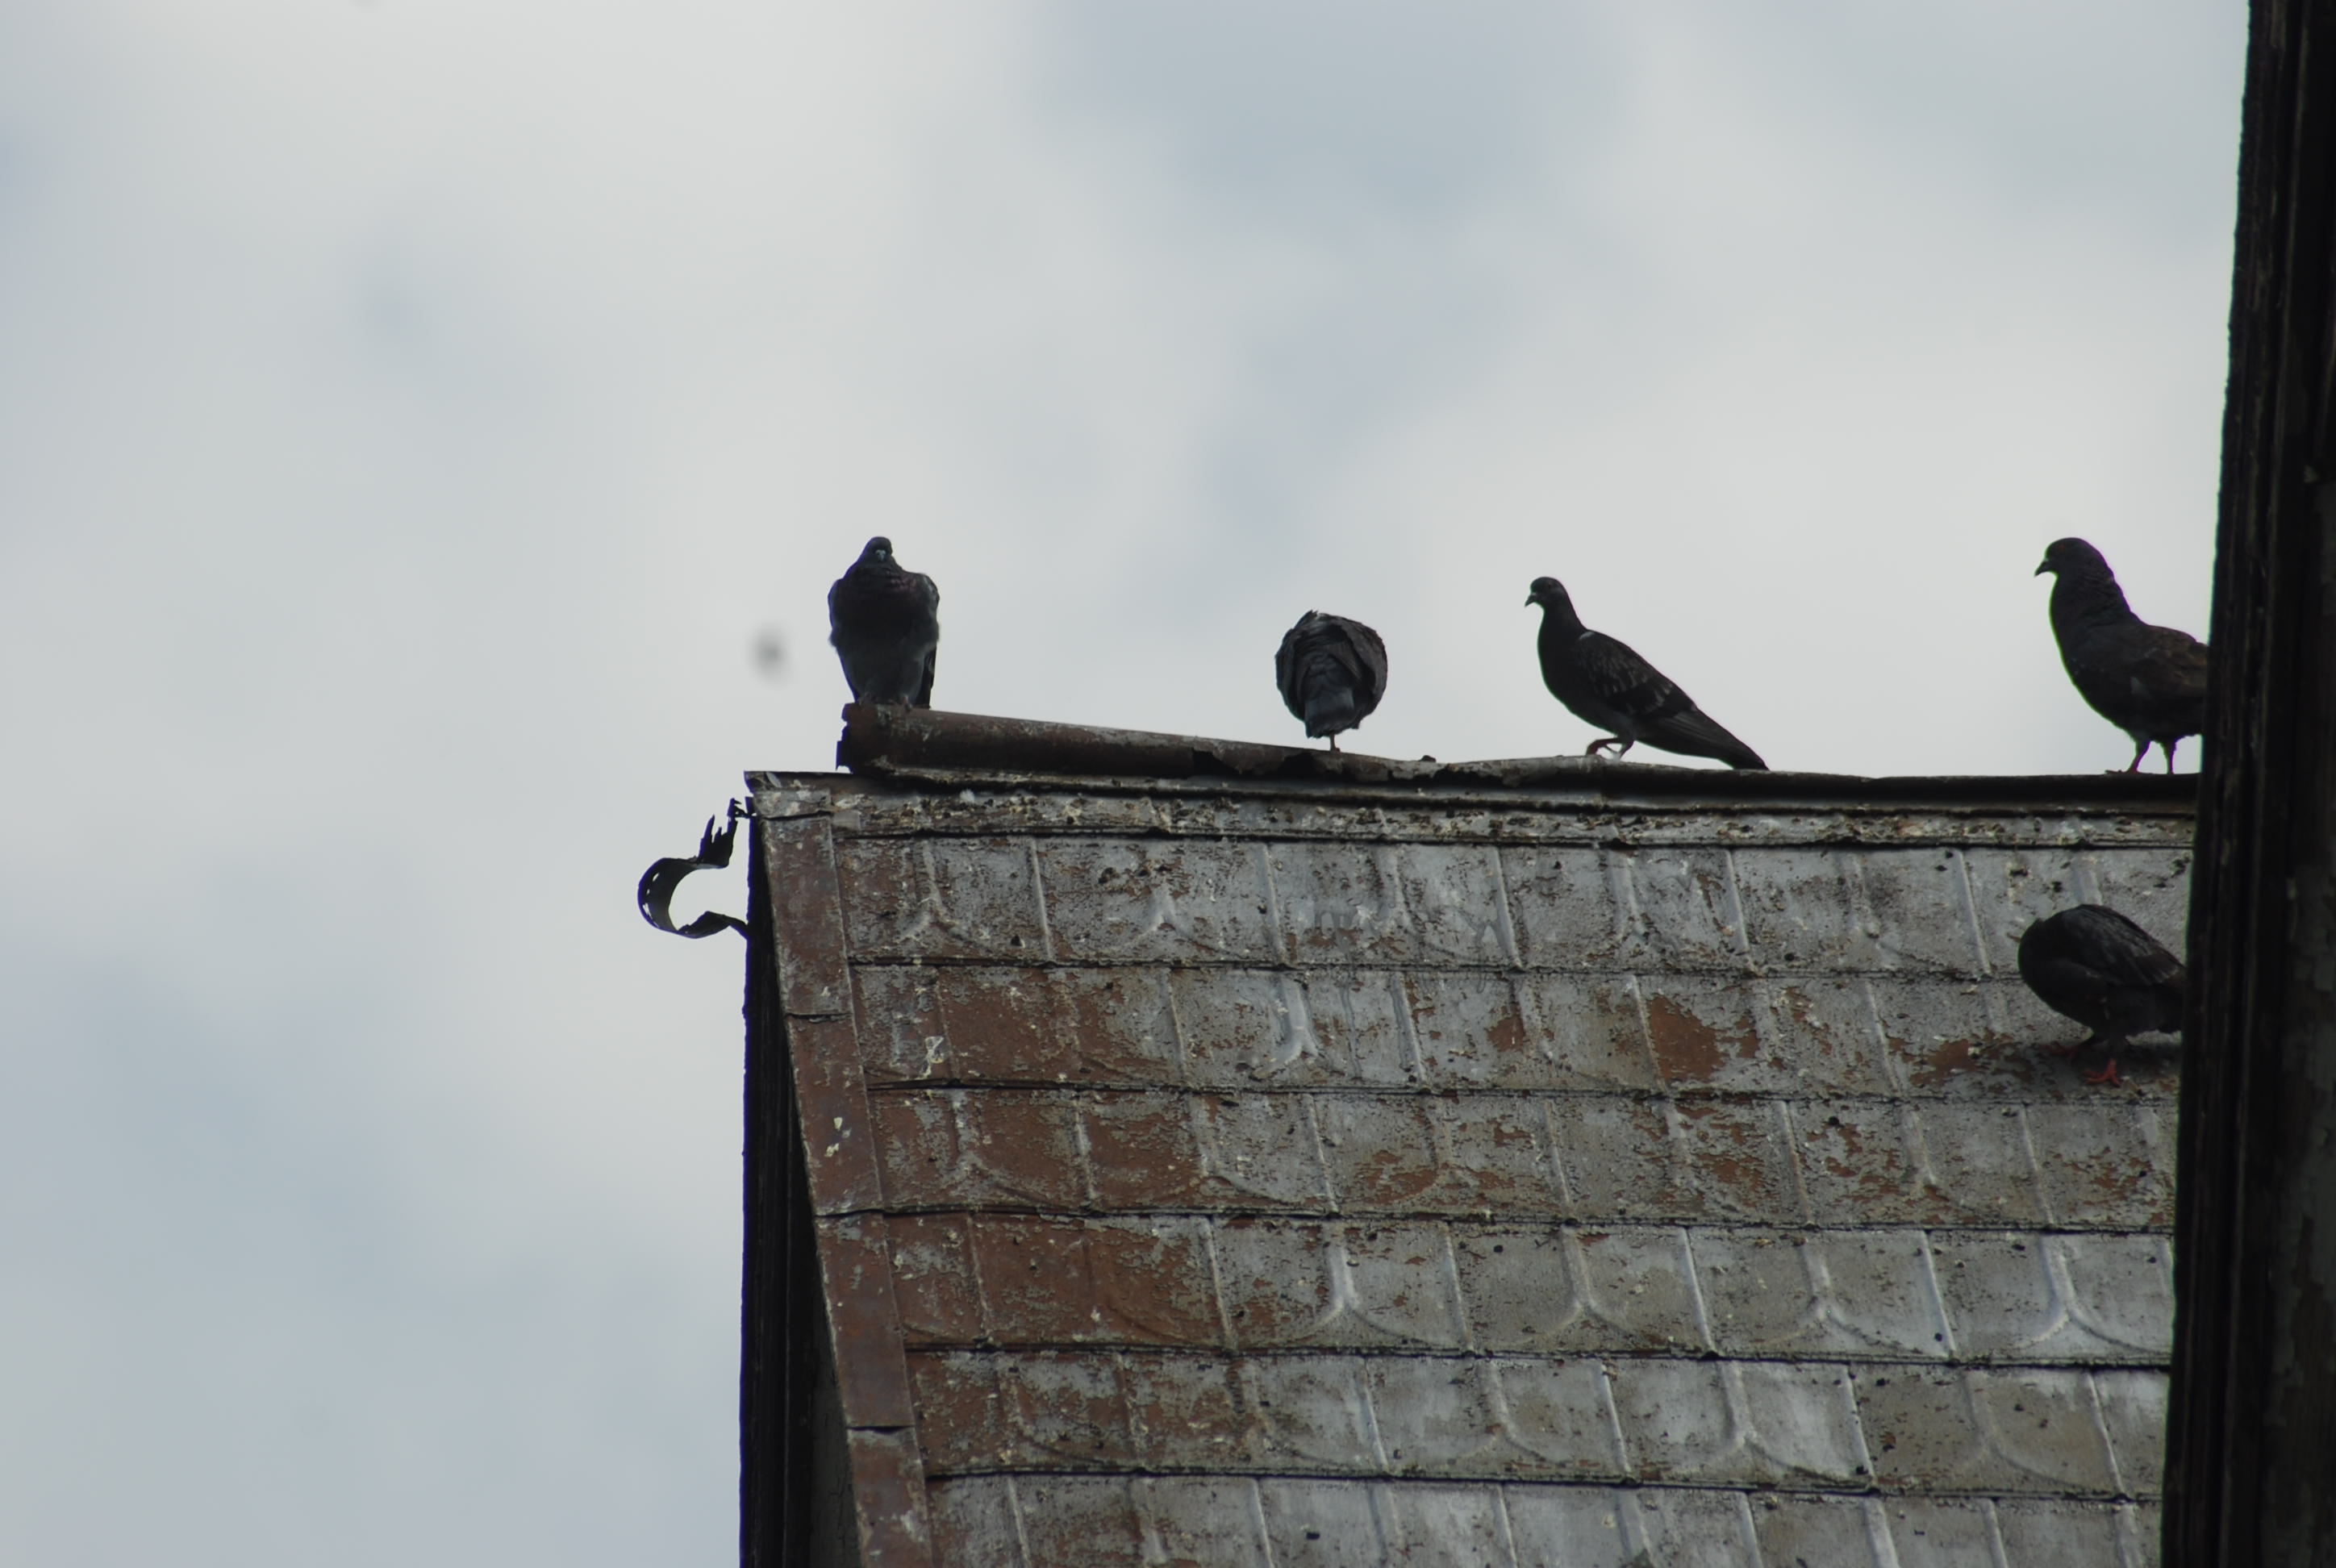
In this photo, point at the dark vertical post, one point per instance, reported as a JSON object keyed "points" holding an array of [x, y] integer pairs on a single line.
{"points": [[778, 1298], [2251, 1436]]}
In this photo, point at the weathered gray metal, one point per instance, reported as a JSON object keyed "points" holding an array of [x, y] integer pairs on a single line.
{"points": [[926, 745], [1236, 1169], [2253, 1438]]}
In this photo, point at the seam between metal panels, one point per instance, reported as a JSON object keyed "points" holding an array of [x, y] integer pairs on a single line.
{"points": [[1038, 899], [1684, 1356], [1879, 1538], [1477, 1220], [2044, 1205], [1793, 1146], [1970, 914], [2101, 1430], [1257, 1520], [2104, 1501], [901, 1087], [1748, 1533], [1402, 963], [1014, 1511], [1622, 1484], [1624, 1462], [1995, 1547], [1559, 1183]]}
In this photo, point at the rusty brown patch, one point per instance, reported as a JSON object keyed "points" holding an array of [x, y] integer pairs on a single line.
{"points": [[1028, 1146], [1142, 1150], [1690, 1049], [1000, 1024], [1506, 1032], [1152, 1288], [1387, 1178], [960, 1418]]}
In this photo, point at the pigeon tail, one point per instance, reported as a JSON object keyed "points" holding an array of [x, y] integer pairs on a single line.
{"points": [[1329, 710], [1693, 733]]}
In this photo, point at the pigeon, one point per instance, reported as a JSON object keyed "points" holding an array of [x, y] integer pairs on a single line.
{"points": [[1606, 685], [2094, 965], [2150, 681], [1332, 672], [885, 624]]}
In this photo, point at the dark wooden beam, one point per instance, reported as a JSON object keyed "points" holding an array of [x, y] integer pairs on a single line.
{"points": [[2251, 1436]]}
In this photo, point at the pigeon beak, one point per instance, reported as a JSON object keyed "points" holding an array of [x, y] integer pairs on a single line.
{"points": [[2045, 568]]}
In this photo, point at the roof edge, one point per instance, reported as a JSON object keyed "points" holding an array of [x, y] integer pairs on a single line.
{"points": [[938, 749]]}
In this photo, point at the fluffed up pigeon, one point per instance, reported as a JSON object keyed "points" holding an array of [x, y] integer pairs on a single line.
{"points": [[2094, 965], [2150, 681], [885, 623], [1606, 685], [1332, 672]]}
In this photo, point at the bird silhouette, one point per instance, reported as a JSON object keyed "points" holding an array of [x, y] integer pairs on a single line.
{"points": [[2150, 681], [885, 623], [1332, 672], [2094, 965], [1606, 683]]}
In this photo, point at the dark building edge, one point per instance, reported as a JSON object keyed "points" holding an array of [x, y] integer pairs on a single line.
{"points": [[794, 1481], [2251, 1427]]}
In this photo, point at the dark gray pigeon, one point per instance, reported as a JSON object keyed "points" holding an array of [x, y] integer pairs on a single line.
{"points": [[2094, 965], [1605, 683], [2150, 681], [1332, 672], [885, 624]]}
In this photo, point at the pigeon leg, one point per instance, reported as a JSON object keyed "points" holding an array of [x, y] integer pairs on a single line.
{"points": [[2075, 1048], [2169, 746], [1334, 742], [2108, 1077], [1599, 745], [2139, 752]]}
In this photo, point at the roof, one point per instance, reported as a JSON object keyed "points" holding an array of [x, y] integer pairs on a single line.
{"points": [[1301, 1165]]}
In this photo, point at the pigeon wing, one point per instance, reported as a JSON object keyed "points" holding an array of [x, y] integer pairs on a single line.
{"points": [[1286, 661], [929, 594], [1661, 713], [2170, 667], [2098, 967], [1365, 656], [1613, 676], [2118, 950]]}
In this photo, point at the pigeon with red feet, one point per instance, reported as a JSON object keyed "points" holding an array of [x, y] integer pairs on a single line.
{"points": [[2150, 681], [2092, 964]]}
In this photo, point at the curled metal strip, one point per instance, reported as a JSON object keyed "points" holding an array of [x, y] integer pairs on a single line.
{"points": [[659, 881]]}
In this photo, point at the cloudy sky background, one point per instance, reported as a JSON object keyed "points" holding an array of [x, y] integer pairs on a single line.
{"points": [[410, 413]]}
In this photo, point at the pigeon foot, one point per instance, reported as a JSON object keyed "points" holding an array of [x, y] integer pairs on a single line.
{"points": [[2108, 1077]]}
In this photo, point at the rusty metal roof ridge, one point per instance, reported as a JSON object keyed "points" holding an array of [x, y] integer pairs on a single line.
{"points": [[931, 746]]}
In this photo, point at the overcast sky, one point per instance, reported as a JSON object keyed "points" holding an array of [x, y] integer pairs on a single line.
{"points": [[412, 412]]}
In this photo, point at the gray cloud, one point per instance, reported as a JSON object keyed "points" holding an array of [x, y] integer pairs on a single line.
{"points": [[408, 414]]}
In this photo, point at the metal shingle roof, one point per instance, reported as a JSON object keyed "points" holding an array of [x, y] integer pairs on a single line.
{"points": [[1300, 1172]]}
